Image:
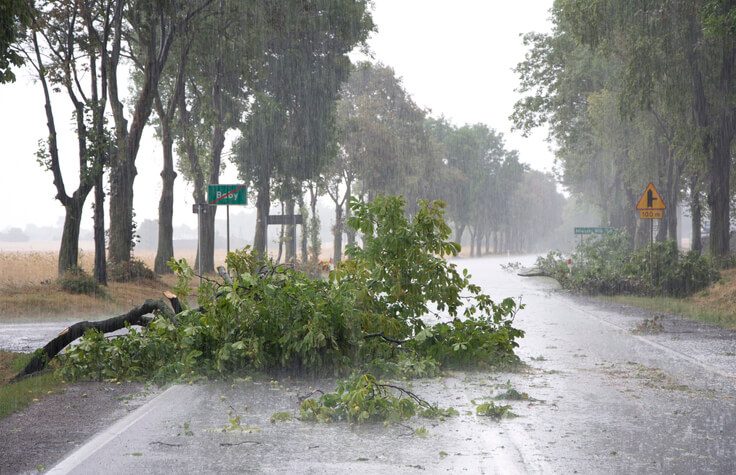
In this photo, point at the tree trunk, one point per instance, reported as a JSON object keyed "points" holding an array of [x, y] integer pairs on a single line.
{"points": [[290, 234], [719, 196], [349, 229], [100, 270], [337, 235], [314, 228], [696, 212], [123, 171], [69, 250], [304, 236], [165, 249], [207, 234], [459, 230], [661, 235], [263, 205]]}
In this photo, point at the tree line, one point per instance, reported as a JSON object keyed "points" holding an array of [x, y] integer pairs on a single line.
{"points": [[309, 123], [636, 92]]}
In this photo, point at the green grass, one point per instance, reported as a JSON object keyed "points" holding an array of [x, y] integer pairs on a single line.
{"points": [[19, 395], [686, 308]]}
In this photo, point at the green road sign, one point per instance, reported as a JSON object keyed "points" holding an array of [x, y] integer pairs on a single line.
{"points": [[582, 231], [227, 195]]}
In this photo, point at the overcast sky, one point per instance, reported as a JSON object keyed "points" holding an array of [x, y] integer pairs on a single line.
{"points": [[455, 59]]}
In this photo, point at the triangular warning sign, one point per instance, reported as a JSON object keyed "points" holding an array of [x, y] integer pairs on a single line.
{"points": [[650, 199]]}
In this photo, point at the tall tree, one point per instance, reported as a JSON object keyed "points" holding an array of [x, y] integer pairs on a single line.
{"points": [[166, 101], [143, 33], [67, 40], [289, 132], [214, 99], [666, 39]]}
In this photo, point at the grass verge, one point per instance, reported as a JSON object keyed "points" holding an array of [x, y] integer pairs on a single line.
{"points": [[691, 308], [18, 395]]}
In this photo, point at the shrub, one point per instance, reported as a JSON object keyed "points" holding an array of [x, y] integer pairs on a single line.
{"points": [[606, 265], [77, 281], [129, 271]]}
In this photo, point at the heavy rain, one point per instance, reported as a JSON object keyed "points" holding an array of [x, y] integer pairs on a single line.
{"points": [[321, 236]]}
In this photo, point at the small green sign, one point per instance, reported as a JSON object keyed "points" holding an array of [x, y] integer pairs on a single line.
{"points": [[593, 230], [227, 195]]}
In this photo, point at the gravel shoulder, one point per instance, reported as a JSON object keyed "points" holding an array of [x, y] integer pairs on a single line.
{"points": [[34, 439]]}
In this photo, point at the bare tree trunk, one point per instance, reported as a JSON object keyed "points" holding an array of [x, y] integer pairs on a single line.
{"points": [[459, 230], [337, 235], [290, 234], [281, 237], [69, 251], [304, 236], [696, 211], [100, 270], [165, 249], [719, 195], [263, 205], [349, 229], [123, 171]]}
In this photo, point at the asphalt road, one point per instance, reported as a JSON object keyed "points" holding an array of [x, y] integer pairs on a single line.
{"points": [[604, 400]]}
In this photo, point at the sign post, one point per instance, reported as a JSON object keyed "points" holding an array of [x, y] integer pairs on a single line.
{"points": [[227, 195], [651, 206]]}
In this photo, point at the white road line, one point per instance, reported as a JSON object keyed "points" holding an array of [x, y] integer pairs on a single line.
{"points": [[654, 344], [77, 457]]}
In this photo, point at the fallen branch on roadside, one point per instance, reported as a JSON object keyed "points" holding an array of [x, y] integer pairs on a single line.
{"points": [[137, 316]]}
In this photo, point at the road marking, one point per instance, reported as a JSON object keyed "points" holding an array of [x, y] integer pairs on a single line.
{"points": [[76, 458], [656, 345]]}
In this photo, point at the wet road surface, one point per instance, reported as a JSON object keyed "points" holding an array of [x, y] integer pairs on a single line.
{"points": [[604, 400]]}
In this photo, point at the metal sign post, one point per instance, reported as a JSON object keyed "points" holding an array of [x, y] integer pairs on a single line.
{"points": [[227, 195], [651, 206]]}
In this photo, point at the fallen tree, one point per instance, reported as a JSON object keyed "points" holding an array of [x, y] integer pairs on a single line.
{"points": [[370, 313], [137, 316]]}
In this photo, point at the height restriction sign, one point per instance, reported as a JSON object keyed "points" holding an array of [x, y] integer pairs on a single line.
{"points": [[650, 204]]}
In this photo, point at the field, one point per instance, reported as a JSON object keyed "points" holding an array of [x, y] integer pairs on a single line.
{"points": [[28, 289]]}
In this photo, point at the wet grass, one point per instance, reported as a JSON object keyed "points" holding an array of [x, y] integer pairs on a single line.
{"points": [[694, 309], [19, 395]]}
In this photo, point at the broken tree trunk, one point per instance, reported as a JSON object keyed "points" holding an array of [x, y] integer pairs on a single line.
{"points": [[136, 316]]}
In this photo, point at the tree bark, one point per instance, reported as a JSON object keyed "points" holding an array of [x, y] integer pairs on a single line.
{"points": [[165, 248], [263, 205], [290, 234], [719, 196], [350, 231], [337, 235], [123, 170], [100, 271], [696, 212], [69, 250], [459, 230]]}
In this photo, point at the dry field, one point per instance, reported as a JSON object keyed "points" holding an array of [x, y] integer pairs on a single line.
{"points": [[28, 291]]}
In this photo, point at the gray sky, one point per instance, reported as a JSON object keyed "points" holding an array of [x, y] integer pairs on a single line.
{"points": [[455, 59]]}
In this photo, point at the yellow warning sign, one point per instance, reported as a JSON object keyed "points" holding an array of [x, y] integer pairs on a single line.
{"points": [[650, 200]]}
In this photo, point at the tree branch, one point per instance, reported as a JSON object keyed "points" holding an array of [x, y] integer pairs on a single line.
{"points": [[134, 317]]}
